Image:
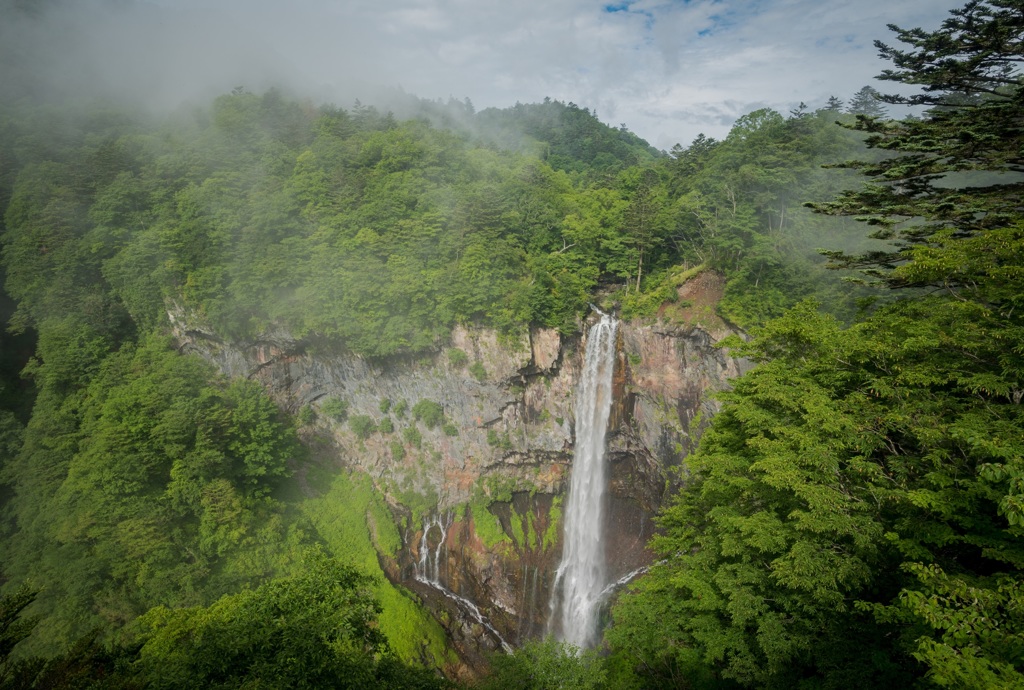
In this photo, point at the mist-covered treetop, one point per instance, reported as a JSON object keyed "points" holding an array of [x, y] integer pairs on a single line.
{"points": [[381, 232]]}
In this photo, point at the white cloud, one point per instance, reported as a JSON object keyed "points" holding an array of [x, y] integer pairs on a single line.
{"points": [[668, 69]]}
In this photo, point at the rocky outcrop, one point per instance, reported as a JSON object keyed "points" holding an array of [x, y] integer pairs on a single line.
{"points": [[487, 477]]}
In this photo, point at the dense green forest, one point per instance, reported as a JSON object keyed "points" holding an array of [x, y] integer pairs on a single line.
{"points": [[853, 517]]}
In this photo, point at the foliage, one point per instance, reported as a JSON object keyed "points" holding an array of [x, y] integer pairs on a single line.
{"points": [[315, 629], [384, 234], [866, 102], [498, 440], [645, 304], [13, 626], [429, 412], [457, 358], [413, 436], [386, 426], [546, 664], [478, 371], [554, 528], [335, 408], [312, 630], [844, 460], [159, 471], [977, 640], [340, 519], [362, 426], [736, 208], [571, 138], [486, 524], [967, 71], [88, 663]]}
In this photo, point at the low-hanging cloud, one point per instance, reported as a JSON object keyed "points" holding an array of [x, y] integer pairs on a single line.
{"points": [[668, 70]]}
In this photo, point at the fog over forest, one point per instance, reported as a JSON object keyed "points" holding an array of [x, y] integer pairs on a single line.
{"points": [[668, 70]]}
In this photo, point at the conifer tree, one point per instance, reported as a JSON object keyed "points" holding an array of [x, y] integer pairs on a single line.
{"points": [[971, 136], [866, 102]]}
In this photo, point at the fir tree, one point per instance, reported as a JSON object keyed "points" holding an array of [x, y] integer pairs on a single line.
{"points": [[866, 102]]}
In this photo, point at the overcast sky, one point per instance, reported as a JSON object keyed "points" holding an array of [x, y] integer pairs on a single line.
{"points": [[667, 70]]}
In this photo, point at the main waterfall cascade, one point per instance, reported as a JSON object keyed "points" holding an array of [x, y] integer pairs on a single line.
{"points": [[581, 579]]}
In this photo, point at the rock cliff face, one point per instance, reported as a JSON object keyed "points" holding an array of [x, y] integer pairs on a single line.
{"points": [[479, 489]]}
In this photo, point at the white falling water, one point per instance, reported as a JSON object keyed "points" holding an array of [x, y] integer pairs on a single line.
{"points": [[428, 571], [581, 578]]}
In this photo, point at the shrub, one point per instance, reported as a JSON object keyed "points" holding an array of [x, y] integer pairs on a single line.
{"points": [[430, 412], [457, 357], [412, 435], [450, 429], [496, 440], [400, 407], [386, 426], [546, 663], [306, 415], [478, 371], [362, 426], [646, 304], [335, 408], [385, 405], [397, 450]]}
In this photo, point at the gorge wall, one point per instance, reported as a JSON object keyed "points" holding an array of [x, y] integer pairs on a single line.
{"points": [[477, 493]]}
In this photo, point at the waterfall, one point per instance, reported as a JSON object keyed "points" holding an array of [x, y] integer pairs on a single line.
{"points": [[581, 578], [428, 571]]}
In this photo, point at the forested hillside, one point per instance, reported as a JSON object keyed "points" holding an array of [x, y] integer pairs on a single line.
{"points": [[852, 518], [382, 234]]}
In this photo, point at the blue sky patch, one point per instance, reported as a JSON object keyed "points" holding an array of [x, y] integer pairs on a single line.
{"points": [[625, 7]]}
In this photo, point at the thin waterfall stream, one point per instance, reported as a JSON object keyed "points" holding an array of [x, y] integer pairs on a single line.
{"points": [[581, 578], [428, 571]]}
